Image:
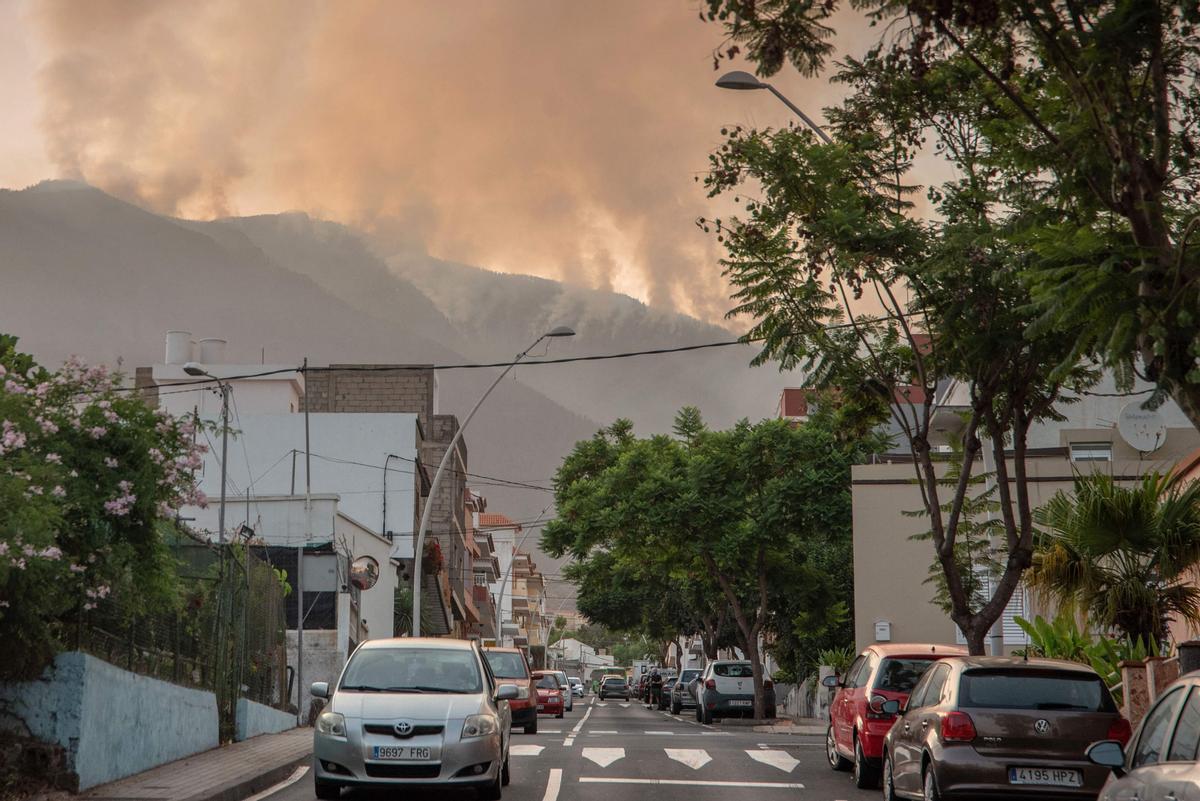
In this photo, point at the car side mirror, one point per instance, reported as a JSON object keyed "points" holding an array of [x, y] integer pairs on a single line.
{"points": [[892, 707], [1108, 754], [319, 689], [876, 704], [506, 692], [832, 682]]}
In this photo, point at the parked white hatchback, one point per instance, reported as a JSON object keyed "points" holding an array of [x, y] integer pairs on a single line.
{"points": [[411, 712], [726, 689]]}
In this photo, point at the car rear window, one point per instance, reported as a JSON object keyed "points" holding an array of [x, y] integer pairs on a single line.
{"points": [[1034, 689], [900, 675], [613, 682], [547, 682], [688, 675], [507, 665], [733, 670], [417, 670]]}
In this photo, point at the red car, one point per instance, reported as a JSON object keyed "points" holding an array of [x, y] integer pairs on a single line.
{"points": [[857, 721], [510, 667], [549, 694]]}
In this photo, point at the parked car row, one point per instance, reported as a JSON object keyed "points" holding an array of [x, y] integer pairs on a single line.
{"points": [[930, 722]]}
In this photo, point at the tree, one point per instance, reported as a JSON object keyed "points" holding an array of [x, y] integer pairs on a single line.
{"points": [[89, 481], [842, 279], [724, 508], [1123, 555], [1092, 127]]}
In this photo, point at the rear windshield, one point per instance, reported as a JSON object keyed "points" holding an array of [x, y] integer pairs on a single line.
{"points": [[613, 682], [900, 675], [688, 675], [733, 670], [415, 670], [1029, 689], [507, 665], [547, 682]]}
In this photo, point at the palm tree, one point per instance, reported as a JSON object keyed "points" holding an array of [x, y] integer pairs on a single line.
{"points": [[1122, 554]]}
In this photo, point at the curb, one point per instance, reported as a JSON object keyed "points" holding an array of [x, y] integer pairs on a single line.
{"points": [[748, 722], [239, 789]]}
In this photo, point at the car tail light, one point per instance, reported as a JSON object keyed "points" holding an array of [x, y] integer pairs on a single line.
{"points": [[711, 684], [957, 727], [1120, 730]]}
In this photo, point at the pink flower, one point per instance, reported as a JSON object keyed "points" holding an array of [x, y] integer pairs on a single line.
{"points": [[58, 491], [97, 431], [35, 489], [51, 552], [48, 426], [75, 567], [53, 458], [110, 462], [13, 388]]}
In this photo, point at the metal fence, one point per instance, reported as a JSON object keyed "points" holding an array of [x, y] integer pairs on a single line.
{"points": [[226, 635]]}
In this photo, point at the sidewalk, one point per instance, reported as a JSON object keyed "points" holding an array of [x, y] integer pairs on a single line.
{"points": [[229, 773], [807, 727]]}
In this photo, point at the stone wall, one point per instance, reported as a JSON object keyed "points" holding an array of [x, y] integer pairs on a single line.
{"points": [[111, 722], [407, 390], [254, 719]]}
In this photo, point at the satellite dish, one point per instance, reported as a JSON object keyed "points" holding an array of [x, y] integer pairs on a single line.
{"points": [[1143, 429], [364, 572]]}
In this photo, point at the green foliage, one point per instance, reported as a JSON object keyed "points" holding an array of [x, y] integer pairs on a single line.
{"points": [[1125, 555], [837, 658], [89, 477]]}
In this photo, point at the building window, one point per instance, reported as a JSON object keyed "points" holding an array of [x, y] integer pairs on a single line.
{"points": [[481, 580], [1091, 451]]}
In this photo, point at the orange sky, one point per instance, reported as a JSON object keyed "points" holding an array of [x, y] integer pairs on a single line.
{"points": [[555, 138]]}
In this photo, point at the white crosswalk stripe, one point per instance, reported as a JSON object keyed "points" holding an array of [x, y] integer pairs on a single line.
{"points": [[694, 758], [603, 756], [776, 759], [625, 706]]}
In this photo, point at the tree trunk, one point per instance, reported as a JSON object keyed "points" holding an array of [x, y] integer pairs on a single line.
{"points": [[977, 639], [756, 669]]}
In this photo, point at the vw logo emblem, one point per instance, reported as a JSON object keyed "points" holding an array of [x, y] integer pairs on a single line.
{"points": [[403, 728], [1042, 726]]}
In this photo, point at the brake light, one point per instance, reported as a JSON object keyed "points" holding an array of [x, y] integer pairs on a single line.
{"points": [[711, 684], [1120, 730], [957, 727]]}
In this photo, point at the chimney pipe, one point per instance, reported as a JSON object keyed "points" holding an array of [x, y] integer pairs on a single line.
{"points": [[212, 351]]}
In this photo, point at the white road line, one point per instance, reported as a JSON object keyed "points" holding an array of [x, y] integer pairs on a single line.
{"points": [[296, 776], [526, 750], [694, 758], [604, 756], [553, 786], [776, 759], [693, 783], [549, 731], [602, 703], [570, 741], [626, 706], [582, 721], [603, 731], [668, 733]]}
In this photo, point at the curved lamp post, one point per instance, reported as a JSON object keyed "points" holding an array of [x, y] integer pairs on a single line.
{"points": [[739, 79], [419, 548]]}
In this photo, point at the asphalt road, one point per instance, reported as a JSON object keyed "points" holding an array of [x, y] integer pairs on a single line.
{"points": [[613, 751]]}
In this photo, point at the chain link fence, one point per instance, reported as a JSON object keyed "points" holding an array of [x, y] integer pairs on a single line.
{"points": [[228, 634]]}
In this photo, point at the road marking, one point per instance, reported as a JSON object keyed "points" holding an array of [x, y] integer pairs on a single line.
{"points": [[694, 758], [603, 731], [776, 759], [693, 783], [668, 733], [550, 731], [553, 786], [625, 706], [603, 756], [602, 703], [582, 721], [526, 750], [296, 776]]}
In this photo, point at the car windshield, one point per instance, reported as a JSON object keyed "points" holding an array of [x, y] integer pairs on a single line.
{"points": [[1029, 689], [733, 670], [688, 675], [900, 675], [506, 665], [413, 670], [547, 682]]}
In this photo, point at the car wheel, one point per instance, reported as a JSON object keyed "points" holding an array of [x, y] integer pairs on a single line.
{"points": [[889, 780], [531, 728], [866, 775], [326, 789], [560, 714], [930, 785], [836, 760], [706, 716], [505, 775], [675, 707], [493, 791]]}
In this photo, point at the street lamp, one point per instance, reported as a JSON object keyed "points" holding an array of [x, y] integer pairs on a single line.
{"points": [[194, 369], [742, 80], [553, 333]]}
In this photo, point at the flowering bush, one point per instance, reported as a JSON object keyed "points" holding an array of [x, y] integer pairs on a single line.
{"points": [[89, 479]]}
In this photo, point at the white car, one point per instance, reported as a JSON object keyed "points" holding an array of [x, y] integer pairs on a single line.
{"points": [[568, 694], [576, 686], [726, 689]]}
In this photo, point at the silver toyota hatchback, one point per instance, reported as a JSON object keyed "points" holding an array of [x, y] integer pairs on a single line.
{"points": [[411, 712]]}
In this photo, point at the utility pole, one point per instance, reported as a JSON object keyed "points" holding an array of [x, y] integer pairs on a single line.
{"points": [[300, 559]]}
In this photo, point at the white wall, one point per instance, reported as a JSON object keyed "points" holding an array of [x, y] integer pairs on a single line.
{"points": [[504, 540], [348, 453], [279, 393]]}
